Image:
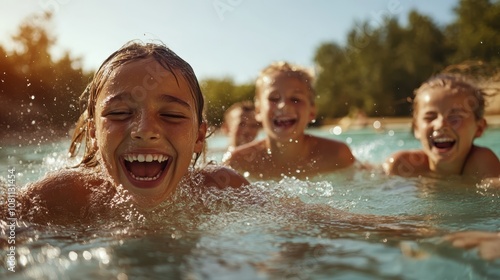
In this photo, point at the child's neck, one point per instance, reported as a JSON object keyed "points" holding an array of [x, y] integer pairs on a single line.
{"points": [[454, 168]]}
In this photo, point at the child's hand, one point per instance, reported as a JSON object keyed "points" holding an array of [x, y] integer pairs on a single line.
{"points": [[487, 243], [490, 183]]}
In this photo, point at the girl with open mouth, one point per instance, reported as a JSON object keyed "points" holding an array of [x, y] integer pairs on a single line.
{"points": [[448, 114], [142, 128]]}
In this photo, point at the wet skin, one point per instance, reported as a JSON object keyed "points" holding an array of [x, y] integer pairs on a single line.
{"points": [[147, 134]]}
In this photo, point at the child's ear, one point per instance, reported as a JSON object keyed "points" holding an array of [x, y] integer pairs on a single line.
{"points": [[416, 133], [225, 128], [200, 140], [312, 114], [481, 126]]}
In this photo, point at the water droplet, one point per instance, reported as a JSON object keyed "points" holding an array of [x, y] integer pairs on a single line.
{"points": [[337, 130], [87, 255], [73, 256]]}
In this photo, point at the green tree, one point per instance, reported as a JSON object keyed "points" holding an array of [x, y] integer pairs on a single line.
{"points": [[379, 67], [39, 93], [222, 93], [475, 32]]}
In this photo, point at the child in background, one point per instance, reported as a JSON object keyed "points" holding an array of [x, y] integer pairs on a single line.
{"points": [[143, 128], [240, 124], [448, 114], [284, 105]]}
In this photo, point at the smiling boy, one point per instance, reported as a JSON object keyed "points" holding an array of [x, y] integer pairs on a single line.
{"points": [[284, 104]]}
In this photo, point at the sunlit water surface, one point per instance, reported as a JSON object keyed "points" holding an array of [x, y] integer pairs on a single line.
{"points": [[261, 234]]}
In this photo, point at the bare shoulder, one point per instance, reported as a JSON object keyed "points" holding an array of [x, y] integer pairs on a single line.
{"points": [[62, 194], [482, 162], [222, 177], [244, 154], [406, 163], [337, 151], [332, 144]]}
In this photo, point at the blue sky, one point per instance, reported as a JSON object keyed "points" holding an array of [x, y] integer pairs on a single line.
{"points": [[234, 38]]}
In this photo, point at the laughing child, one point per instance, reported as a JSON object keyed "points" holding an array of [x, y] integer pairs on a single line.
{"points": [[284, 105], [240, 124], [142, 129], [448, 114]]}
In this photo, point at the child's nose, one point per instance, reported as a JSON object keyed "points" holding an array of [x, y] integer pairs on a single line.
{"points": [[440, 122], [281, 103], [145, 128]]}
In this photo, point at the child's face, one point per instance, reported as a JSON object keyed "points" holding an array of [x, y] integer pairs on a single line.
{"points": [[242, 126], [146, 129], [445, 125], [284, 107]]}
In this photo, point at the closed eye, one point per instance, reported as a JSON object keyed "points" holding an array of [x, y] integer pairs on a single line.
{"points": [[429, 119], [453, 119], [118, 115], [175, 116]]}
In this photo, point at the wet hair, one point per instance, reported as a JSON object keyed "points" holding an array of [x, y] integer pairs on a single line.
{"points": [[245, 106], [131, 51], [457, 84], [292, 70]]}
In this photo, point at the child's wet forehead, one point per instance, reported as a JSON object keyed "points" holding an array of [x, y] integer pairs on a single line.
{"points": [[139, 77], [283, 80], [145, 70], [445, 99]]}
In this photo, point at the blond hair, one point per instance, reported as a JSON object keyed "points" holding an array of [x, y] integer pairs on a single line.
{"points": [[457, 84], [304, 74]]}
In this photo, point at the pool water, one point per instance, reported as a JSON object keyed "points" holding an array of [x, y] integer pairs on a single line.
{"points": [[274, 230]]}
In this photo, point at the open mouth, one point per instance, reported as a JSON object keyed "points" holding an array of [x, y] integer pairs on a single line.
{"points": [[145, 167], [443, 143], [284, 122]]}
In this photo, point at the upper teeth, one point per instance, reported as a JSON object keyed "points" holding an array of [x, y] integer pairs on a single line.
{"points": [[146, 157], [442, 140]]}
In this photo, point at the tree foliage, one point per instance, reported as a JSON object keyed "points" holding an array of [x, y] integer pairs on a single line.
{"points": [[379, 67], [376, 70], [222, 93], [39, 93]]}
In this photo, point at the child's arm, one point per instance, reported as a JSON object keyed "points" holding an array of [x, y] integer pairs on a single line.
{"points": [[482, 163], [487, 243], [61, 196], [493, 182], [406, 163], [222, 177], [345, 155]]}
